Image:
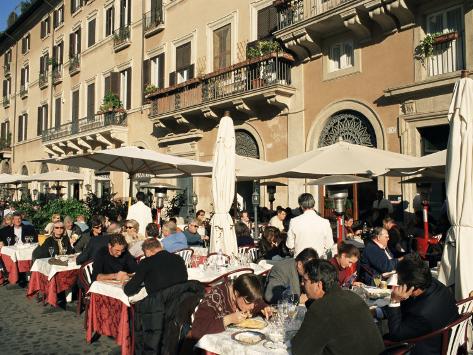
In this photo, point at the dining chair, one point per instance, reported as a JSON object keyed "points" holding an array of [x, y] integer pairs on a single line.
{"points": [[464, 306], [186, 254], [85, 278], [212, 258]]}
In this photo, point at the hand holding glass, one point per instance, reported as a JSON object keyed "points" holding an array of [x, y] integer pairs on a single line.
{"points": [[51, 251]]}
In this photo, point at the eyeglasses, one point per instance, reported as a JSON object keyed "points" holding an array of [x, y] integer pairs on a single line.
{"points": [[97, 227], [193, 225], [58, 227], [129, 227]]}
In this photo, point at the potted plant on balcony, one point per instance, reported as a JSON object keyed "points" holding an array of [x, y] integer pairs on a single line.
{"points": [[282, 4], [260, 49], [150, 88], [111, 105], [425, 48]]}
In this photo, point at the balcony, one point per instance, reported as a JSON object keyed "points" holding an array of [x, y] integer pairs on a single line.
{"points": [[447, 54], [6, 101], [6, 69], [302, 24], [258, 87], [121, 38], [74, 65], [5, 147], [153, 22], [43, 80], [57, 75], [24, 91], [108, 130]]}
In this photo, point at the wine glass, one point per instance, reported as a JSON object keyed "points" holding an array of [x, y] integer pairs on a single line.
{"points": [[51, 251], [8, 240], [377, 281]]}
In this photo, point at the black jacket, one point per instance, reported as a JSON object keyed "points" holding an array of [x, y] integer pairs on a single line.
{"points": [[42, 251], [374, 261], [162, 319], [92, 248], [26, 231], [417, 316]]}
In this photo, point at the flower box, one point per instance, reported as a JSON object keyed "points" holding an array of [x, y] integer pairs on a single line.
{"points": [[446, 37]]}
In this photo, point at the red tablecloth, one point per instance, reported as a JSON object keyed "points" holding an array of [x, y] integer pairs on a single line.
{"points": [[61, 281], [14, 268], [198, 260], [109, 316]]}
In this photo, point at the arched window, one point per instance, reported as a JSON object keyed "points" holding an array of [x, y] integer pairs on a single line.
{"points": [[24, 170], [245, 144], [351, 126], [44, 168], [6, 168]]}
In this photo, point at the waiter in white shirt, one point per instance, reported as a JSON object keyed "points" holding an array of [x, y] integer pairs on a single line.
{"points": [[309, 230], [140, 213], [382, 203]]}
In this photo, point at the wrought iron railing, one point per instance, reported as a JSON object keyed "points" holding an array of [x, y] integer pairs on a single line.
{"points": [[6, 101], [153, 19], [57, 74], [23, 90], [121, 35], [5, 142], [43, 79], [254, 74], [85, 125], [74, 64], [447, 56], [6, 69]]}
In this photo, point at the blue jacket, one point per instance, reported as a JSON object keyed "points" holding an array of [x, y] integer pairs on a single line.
{"points": [[374, 262], [175, 242]]}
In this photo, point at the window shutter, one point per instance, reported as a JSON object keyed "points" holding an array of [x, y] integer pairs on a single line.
{"points": [[61, 52], [172, 78], [191, 71], [129, 12], [161, 70], [71, 45], [122, 13], [55, 54], [54, 19], [72, 6], [107, 85], [267, 22], [5, 88], [39, 126], [41, 65], [22, 77], [183, 56], [79, 41], [128, 89], [57, 113], [146, 72], [91, 101], [45, 116], [115, 83], [3, 130], [91, 33], [107, 22], [46, 62], [25, 126], [20, 128], [75, 106], [43, 29]]}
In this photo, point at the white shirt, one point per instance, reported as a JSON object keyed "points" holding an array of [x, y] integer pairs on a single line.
{"points": [[140, 213], [17, 232], [276, 222], [309, 230], [383, 204]]}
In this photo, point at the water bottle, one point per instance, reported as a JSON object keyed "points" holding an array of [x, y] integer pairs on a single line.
{"points": [[365, 228]]}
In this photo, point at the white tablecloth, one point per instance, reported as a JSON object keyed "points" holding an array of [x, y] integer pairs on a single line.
{"points": [[206, 276], [45, 268], [19, 252], [115, 290]]}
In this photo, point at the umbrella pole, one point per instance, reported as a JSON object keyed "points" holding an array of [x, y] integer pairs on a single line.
{"points": [[355, 202], [130, 192]]}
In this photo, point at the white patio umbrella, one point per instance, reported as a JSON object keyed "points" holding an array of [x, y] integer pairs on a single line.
{"points": [[333, 180], [222, 235], [13, 178], [432, 163], [457, 263], [57, 176]]}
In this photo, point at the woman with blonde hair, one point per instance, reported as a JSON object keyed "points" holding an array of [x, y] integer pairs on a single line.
{"points": [[132, 237], [56, 217]]}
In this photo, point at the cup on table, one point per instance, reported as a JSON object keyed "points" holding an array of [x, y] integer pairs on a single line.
{"points": [[383, 285]]}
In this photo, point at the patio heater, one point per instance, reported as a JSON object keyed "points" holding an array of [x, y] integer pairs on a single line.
{"points": [[35, 194], [255, 199], [195, 201], [339, 198], [161, 193]]}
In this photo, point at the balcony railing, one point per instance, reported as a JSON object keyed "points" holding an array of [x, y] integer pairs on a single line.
{"points": [[57, 74], [6, 101], [5, 142], [23, 91], [43, 80], [121, 37], [86, 124], [74, 64], [152, 21], [293, 11], [241, 78], [6, 69], [447, 55]]}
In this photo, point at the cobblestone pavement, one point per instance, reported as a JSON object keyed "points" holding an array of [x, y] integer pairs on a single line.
{"points": [[28, 327]]}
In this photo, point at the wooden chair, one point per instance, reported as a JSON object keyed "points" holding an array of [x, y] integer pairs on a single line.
{"points": [[398, 349], [85, 278], [244, 249], [212, 258], [453, 336], [466, 306], [230, 276], [186, 254], [139, 258]]}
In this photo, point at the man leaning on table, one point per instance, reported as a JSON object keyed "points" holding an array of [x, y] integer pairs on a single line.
{"points": [[337, 322], [114, 262]]}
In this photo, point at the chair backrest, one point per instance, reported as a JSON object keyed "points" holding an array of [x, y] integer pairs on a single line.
{"points": [[230, 276], [212, 258], [253, 252], [244, 249], [398, 349], [465, 305], [85, 274], [186, 254]]}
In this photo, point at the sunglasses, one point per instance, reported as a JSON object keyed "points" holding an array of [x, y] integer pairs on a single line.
{"points": [[58, 227], [97, 227], [193, 225], [129, 227]]}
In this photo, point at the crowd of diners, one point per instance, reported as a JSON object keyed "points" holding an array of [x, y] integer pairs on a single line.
{"points": [[307, 264]]}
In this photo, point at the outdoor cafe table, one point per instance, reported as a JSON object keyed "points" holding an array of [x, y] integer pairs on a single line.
{"points": [[17, 258], [50, 279]]}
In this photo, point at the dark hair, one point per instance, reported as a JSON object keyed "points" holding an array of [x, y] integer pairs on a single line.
{"points": [[413, 272], [306, 201], [16, 214], [117, 239], [199, 212], [242, 230], [173, 219], [279, 209], [322, 270], [271, 232], [347, 217], [249, 287], [151, 243], [348, 249], [140, 196], [152, 230], [265, 244], [243, 211], [307, 254], [96, 221]]}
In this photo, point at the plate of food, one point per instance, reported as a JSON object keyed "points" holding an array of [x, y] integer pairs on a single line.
{"points": [[252, 323], [248, 337], [376, 293]]}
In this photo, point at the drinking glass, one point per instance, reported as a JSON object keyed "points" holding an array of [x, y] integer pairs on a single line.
{"points": [[51, 251], [377, 281], [8, 240]]}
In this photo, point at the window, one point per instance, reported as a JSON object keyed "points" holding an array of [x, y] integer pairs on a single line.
{"points": [[75, 111], [125, 88], [109, 18], [57, 112], [91, 101], [22, 127], [25, 44], [58, 55], [341, 56], [6, 88], [447, 56], [58, 17], [184, 69], [267, 22], [42, 119], [125, 13], [76, 5], [74, 43], [5, 132], [91, 33], [25, 77], [43, 63], [45, 27], [153, 71], [7, 59], [222, 47]]}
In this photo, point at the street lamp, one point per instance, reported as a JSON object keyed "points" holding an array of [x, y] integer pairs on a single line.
{"points": [[271, 189], [339, 198], [35, 193], [161, 195], [255, 200], [195, 201]]}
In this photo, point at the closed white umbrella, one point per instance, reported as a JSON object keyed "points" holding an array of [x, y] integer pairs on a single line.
{"points": [[222, 235], [457, 265]]}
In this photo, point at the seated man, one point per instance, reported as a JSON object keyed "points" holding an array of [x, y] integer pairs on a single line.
{"points": [[286, 274], [376, 258], [420, 305], [150, 270], [172, 240], [16, 233], [192, 235], [90, 243], [114, 262], [337, 321], [278, 219], [345, 263]]}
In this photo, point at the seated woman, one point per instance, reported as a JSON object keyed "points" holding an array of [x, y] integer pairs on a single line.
{"points": [[229, 303], [345, 262], [376, 258], [243, 234], [270, 245], [348, 224], [58, 240], [132, 237]]}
